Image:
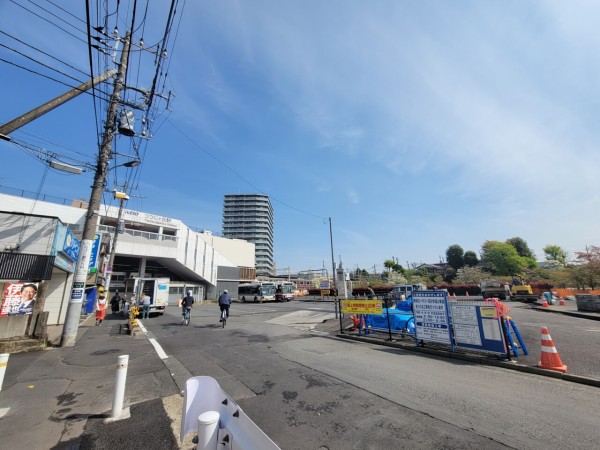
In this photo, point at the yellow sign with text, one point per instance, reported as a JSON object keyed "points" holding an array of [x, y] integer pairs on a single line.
{"points": [[362, 307]]}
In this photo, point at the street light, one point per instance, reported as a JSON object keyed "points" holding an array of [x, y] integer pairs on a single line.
{"points": [[133, 163], [64, 167]]}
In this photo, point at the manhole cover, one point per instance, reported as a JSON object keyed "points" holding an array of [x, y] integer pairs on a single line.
{"points": [[106, 352]]}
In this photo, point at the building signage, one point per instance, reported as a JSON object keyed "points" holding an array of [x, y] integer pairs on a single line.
{"points": [[95, 251], [362, 307], [64, 262], [71, 245], [431, 316], [151, 219]]}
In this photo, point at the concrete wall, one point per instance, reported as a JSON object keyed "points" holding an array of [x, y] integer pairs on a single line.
{"points": [[34, 234], [67, 214], [238, 251], [11, 326]]}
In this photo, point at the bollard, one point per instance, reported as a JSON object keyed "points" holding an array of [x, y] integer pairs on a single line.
{"points": [[208, 430], [3, 364], [119, 393]]}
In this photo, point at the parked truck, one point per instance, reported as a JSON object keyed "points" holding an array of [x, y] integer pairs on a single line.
{"points": [[494, 289], [156, 288]]}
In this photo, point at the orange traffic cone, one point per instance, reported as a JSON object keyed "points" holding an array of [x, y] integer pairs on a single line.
{"points": [[561, 301], [544, 301], [467, 293], [550, 359]]}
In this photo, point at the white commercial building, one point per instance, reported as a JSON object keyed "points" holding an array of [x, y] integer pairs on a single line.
{"points": [[148, 245]]}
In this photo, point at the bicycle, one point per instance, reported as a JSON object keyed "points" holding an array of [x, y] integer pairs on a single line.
{"points": [[223, 317], [185, 320]]}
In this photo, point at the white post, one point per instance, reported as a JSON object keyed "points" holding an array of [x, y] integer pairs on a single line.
{"points": [[3, 364], [119, 393], [208, 430]]}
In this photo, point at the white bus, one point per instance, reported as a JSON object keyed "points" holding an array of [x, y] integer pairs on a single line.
{"points": [[285, 291], [258, 291]]}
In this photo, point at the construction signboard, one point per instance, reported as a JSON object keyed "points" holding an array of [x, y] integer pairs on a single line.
{"points": [[478, 328], [431, 316], [362, 307]]}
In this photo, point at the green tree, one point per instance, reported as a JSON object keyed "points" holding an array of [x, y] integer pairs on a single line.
{"points": [[449, 274], [470, 258], [388, 264], [555, 253], [521, 246], [502, 259], [454, 256]]}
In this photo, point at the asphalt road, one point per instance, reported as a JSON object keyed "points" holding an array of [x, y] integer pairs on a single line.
{"points": [[577, 340], [309, 390]]}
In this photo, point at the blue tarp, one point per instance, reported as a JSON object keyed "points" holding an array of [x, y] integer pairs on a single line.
{"points": [[401, 318]]}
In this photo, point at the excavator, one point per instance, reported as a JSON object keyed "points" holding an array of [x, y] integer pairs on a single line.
{"points": [[520, 291]]}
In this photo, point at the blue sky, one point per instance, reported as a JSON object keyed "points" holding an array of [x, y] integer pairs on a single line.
{"points": [[413, 125]]}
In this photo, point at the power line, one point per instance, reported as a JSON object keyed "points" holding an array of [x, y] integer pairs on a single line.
{"points": [[240, 176], [41, 63], [64, 10], [50, 22], [41, 51]]}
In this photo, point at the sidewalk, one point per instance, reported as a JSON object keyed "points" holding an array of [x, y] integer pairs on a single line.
{"points": [[58, 398]]}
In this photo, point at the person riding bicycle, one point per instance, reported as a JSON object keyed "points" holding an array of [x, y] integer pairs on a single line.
{"points": [[224, 304], [186, 303]]}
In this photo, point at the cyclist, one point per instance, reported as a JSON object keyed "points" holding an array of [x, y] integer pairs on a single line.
{"points": [[186, 305], [224, 304]]}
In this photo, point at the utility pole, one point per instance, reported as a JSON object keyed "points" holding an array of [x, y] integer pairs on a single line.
{"points": [[24, 119], [122, 196], [337, 303], [71, 326]]}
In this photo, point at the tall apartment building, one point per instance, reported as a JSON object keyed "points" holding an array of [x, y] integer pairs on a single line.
{"points": [[250, 217]]}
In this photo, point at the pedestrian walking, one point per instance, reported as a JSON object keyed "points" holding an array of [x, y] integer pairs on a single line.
{"points": [[145, 301], [115, 303], [101, 305]]}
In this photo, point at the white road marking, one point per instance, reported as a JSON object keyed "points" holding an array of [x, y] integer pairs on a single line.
{"points": [[3, 412], [161, 353]]}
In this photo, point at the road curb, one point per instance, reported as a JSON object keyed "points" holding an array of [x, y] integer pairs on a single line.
{"points": [[589, 316]]}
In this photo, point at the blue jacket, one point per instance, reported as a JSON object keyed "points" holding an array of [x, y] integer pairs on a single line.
{"points": [[225, 299]]}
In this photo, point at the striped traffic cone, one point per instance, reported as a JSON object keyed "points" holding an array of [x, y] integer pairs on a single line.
{"points": [[544, 301], [550, 359], [561, 301]]}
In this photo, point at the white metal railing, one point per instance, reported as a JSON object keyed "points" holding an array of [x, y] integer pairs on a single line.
{"points": [[144, 234]]}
